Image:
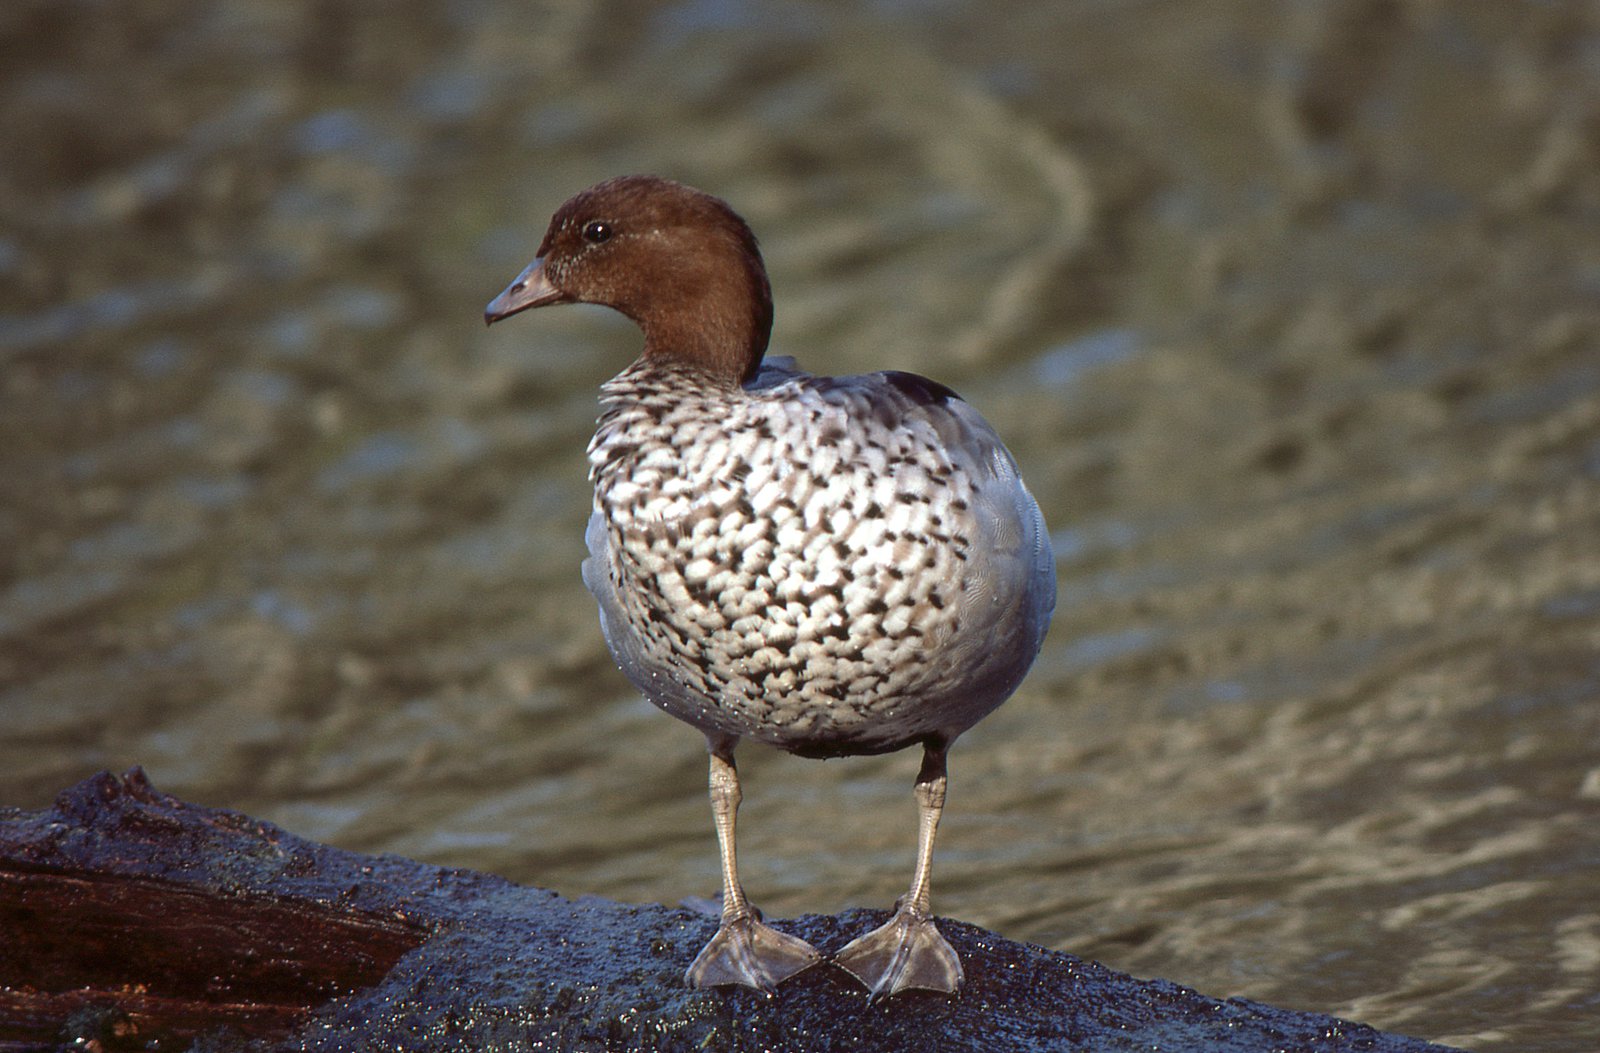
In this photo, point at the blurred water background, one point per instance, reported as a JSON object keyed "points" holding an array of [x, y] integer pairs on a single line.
{"points": [[1289, 311]]}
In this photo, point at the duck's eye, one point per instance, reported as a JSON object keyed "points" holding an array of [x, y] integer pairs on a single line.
{"points": [[596, 231]]}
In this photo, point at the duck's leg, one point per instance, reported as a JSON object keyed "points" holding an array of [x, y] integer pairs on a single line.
{"points": [[908, 950], [745, 950]]}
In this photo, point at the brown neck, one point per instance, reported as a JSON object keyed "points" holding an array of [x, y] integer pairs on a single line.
{"points": [[726, 350], [711, 311]]}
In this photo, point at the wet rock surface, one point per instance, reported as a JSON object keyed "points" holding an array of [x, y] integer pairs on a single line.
{"points": [[227, 932]]}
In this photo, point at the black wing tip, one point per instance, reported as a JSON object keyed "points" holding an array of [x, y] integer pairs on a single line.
{"points": [[920, 389]]}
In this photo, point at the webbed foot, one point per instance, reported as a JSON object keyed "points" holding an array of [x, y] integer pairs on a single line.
{"points": [[904, 953], [750, 952]]}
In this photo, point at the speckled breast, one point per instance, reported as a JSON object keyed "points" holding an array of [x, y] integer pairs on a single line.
{"points": [[829, 565]]}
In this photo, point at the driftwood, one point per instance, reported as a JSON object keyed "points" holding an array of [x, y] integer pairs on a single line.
{"points": [[131, 920]]}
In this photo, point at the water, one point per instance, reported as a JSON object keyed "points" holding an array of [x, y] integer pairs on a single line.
{"points": [[1286, 310]]}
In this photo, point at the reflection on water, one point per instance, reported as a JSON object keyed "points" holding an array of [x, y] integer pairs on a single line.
{"points": [[1287, 312]]}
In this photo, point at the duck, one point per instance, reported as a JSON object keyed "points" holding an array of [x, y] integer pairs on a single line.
{"points": [[833, 566]]}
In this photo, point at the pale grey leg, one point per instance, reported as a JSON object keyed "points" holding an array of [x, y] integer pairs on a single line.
{"points": [[745, 950], [908, 950]]}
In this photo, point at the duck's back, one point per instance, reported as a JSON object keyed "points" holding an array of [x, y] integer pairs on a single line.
{"points": [[831, 565]]}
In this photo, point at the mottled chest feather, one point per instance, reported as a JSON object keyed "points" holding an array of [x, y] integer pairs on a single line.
{"points": [[795, 560]]}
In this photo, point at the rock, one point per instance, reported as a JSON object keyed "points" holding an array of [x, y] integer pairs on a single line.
{"points": [[132, 920]]}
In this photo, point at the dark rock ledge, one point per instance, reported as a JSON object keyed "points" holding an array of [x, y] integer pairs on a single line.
{"points": [[131, 920]]}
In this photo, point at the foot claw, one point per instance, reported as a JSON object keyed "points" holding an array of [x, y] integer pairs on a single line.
{"points": [[750, 952], [907, 952]]}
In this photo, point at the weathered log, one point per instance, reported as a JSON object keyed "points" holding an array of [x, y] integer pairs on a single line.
{"points": [[131, 920]]}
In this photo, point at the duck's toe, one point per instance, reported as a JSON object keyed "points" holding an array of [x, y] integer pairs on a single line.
{"points": [[747, 951], [906, 952]]}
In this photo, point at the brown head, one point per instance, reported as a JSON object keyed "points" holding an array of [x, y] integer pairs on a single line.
{"points": [[677, 261]]}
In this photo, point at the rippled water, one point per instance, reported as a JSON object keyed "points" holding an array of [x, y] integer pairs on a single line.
{"points": [[1289, 313]]}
